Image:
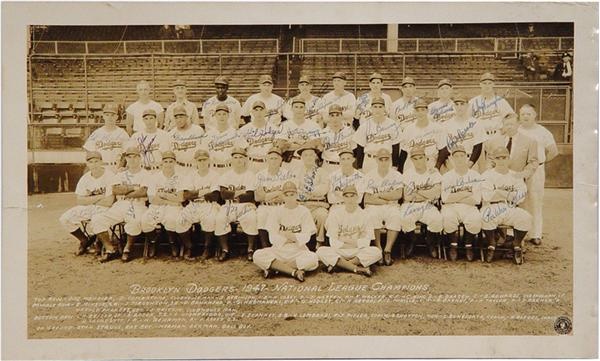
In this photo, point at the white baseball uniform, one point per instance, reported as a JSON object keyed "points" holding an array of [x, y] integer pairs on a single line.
{"points": [[151, 146], [271, 183], [455, 213], [374, 136], [308, 180], [191, 109], [490, 112], [208, 112], [200, 210], [311, 108], [273, 102], [167, 215], [220, 144], [347, 101], [232, 211], [467, 133], [185, 143], [403, 111], [363, 105], [297, 221], [425, 211], [338, 181], [427, 137], [384, 216], [504, 212], [110, 144], [260, 140], [298, 134], [440, 111], [333, 142], [137, 110]]}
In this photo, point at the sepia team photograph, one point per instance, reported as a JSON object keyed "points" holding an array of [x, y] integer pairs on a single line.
{"points": [[203, 181]]}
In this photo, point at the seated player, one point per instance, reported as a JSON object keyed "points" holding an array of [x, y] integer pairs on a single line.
{"points": [[350, 233], [94, 196], [422, 189], [237, 190], [129, 188], [502, 191], [461, 193], [203, 194], [384, 191], [290, 228], [165, 191]]}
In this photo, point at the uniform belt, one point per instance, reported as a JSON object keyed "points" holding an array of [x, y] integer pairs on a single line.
{"points": [[225, 165], [189, 165], [270, 204], [154, 167], [496, 202], [331, 162], [370, 155], [296, 157], [111, 163], [542, 163], [258, 160], [200, 200], [235, 201]]}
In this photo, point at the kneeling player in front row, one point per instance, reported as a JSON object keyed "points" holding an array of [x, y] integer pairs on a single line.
{"points": [[502, 191], [290, 229], [350, 233]]}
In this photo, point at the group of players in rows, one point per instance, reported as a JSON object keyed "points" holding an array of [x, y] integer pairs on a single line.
{"points": [[337, 168]]}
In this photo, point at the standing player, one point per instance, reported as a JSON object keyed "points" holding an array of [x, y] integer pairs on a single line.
{"points": [[422, 133], [422, 189], [335, 137], [180, 91], [135, 110], [547, 150], [165, 192], [290, 228], [129, 188], [268, 192], [350, 233], [461, 193], [109, 139], [203, 194], [363, 103], [341, 97], [403, 111], [377, 132], [442, 109], [237, 190], [311, 102], [94, 196], [273, 103], [489, 108], [222, 98], [502, 191], [384, 191], [186, 139], [461, 129], [299, 131], [151, 141]]}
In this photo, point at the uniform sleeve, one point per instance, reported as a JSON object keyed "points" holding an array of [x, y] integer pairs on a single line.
{"points": [[158, 108], [150, 183], [251, 181], [360, 136], [487, 187], [185, 184], [396, 133], [123, 136], [275, 236], [479, 133], [332, 226], [130, 109], [205, 111], [548, 138], [80, 189], [116, 179], [308, 227], [195, 117], [477, 187], [236, 111], [446, 181], [505, 108], [90, 143], [521, 191], [247, 105], [240, 141]]}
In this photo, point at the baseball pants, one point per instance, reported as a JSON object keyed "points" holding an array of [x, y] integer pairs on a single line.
{"points": [[456, 213], [424, 212], [71, 219], [167, 215], [289, 253], [128, 211], [204, 213], [319, 215], [534, 201], [385, 216], [366, 255], [245, 213], [497, 214]]}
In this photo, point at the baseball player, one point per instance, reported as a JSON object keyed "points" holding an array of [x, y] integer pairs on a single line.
{"points": [[260, 136], [350, 233], [186, 138], [273, 103], [489, 108], [403, 110], [312, 189], [335, 137], [442, 109], [461, 129], [221, 139], [130, 188], [547, 151], [94, 196], [363, 103], [344, 176], [151, 141], [237, 190], [422, 190], [109, 139], [268, 193], [461, 193], [290, 228], [299, 131], [341, 97], [180, 91], [165, 192], [422, 132], [135, 110], [203, 195], [311, 102], [384, 191], [502, 191], [222, 98], [377, 132]]}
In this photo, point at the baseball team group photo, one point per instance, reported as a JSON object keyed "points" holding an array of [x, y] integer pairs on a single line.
{"points": [[437, 155]]}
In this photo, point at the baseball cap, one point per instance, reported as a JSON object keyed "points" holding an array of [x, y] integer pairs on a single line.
{"points": [[179, 110], [501, 151], [304, 79], [375, 76], [339, 74], [149, 112], [179, 82], [111, 108], [289, 187], [265, 79], [458, 148], [92, 155], [487, 76], [298, 100], [132, 151], [307, 147], [349, 189], [421, 103], [417, 150], [460, 98], [222, 107], [378, 100], [201, 154], [444, 82], [221, 80], [168, 154], [335, 108], [408, 80], [240, 151], [275, 150], [258, 103], [346, 151], [383, 153]]}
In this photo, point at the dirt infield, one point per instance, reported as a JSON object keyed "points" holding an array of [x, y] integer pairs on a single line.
{"points": [[72, 296]]}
